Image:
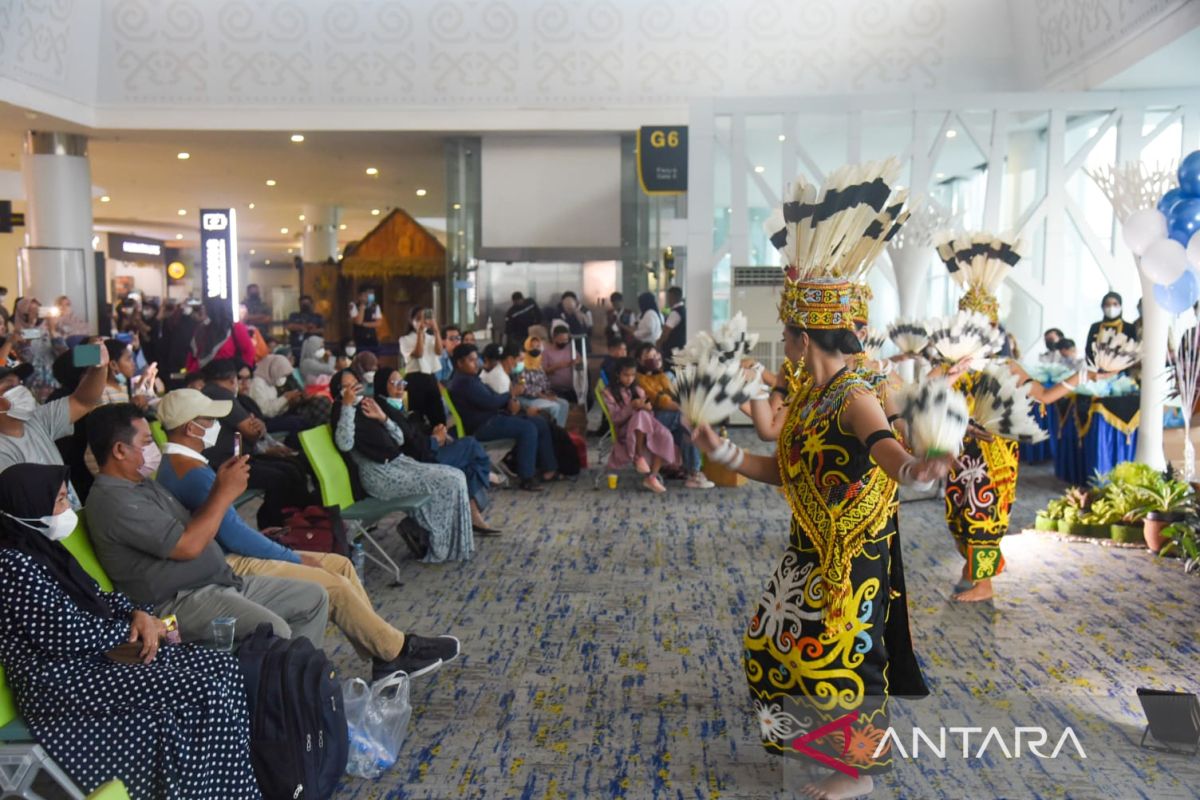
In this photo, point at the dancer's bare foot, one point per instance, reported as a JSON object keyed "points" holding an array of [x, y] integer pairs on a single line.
{"points": [[839, 787], [976, 594]]}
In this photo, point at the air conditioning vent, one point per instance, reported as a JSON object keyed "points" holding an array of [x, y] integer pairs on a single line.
{"points": [[757, 276]]}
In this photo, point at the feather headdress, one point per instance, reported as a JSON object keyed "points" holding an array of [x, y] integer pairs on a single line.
{"points": [[937, 417], [1003, 407], [967, 334], [979, 262]]}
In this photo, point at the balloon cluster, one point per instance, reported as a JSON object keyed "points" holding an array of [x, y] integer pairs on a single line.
{"points": [[1167, 240]]}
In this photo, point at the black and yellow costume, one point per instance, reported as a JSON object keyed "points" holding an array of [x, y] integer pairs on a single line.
{"points": [[980, 491], [820, 644]]}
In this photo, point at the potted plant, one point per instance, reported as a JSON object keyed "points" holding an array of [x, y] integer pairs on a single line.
{"points": [[1048, 518], [1166, 502], [1183, 539], [1075, 507]]}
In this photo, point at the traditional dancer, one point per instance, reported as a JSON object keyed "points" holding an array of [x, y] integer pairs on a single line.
{"points": [[815, 659]]}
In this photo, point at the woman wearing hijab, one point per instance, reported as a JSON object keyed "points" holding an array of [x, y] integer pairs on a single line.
{"points": [[283, 411], [316, 362], [1111, 306], [436, 446], [218, 336], [537, 392], [91, 681], [36, 345], [650, 323], [375, 444]]}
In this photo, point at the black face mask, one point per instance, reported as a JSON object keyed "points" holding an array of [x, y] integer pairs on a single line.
{"points": [[537, 351], [561, 345]]}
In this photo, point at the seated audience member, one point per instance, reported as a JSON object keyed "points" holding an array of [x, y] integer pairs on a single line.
{"points": [[451, 338], [366, 364], [120, 376], [489, 415], [270, 377], [617, 350], [28, 431], [376, 445], [657, 386], [188, 417], [315, 361], [436, 447], [535, 390], [160, 555], [559, 365], [73, 446], [194, 380], [494, 375], [68, 647], [641, 439], [274, 468], [468, 337]]}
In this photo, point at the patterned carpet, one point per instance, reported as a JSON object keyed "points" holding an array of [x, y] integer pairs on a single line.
{"points": [[602, 638]]}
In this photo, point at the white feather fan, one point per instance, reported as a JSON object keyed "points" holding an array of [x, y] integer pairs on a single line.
{"points": [[873, 344], [968, 334], [1114, 352], [910, 336], [937, 417], [1003, 407], [708, 378]]}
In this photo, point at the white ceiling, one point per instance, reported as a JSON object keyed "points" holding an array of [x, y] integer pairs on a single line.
{"points": [[1175, 65]]}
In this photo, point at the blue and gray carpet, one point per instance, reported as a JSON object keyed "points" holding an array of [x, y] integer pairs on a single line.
{"points": [[602, 639]]}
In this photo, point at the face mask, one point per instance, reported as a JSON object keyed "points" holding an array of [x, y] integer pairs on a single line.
{"points": [[1112, 312], [121, 379], [519, 368], [209, 435], [147, 313], [299, 378], [279, 384], [562, 345], [369, 377], [396, 403], [151, 458], [320, 354], [22, 403], [371, 298], [351, 351], [55, 527], [535, 352], [187, 312]]}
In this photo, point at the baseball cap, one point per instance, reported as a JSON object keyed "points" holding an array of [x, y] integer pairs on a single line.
{"points": [[22, 371], [184, 405]]}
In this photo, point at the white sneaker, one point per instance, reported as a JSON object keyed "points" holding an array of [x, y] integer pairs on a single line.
{"points": [[698, 481]]}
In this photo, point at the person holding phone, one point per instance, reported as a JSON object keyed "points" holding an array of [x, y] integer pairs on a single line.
{"points": [[366, 317], [421, 354]]}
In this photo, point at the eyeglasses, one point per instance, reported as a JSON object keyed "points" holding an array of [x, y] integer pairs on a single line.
{"points": [[453, 338], [396, 382]]}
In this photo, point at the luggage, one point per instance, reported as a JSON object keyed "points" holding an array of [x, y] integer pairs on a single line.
{"points": [[565, 450], [316, 529], [299, 741], [580, 448]]}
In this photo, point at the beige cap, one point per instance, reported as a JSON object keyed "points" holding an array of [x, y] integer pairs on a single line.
{"points": [[184, 405]]}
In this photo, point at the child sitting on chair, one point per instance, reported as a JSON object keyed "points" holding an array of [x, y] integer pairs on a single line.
{"points": [[640, 437]]}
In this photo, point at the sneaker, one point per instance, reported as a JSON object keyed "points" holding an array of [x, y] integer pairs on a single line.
{"points": [[698, 481], [654, 484], [421, 656], [640, 464]]}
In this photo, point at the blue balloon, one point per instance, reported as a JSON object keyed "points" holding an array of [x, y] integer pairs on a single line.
{"points": [[1189, 174], [1180, 295], [1169, 201], [1184, 220]]}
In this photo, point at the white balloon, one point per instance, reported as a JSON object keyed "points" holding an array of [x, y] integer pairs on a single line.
{"points": [[1143, 229], [1193, 250], [1164, 261]]}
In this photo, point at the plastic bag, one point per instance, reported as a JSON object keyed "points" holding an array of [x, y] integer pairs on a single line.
{"points": [[378, 718]]}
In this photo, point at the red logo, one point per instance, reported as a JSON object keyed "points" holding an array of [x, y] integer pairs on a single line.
{"points": [[842, 723]]}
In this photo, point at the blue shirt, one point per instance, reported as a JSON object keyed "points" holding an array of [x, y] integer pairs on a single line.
{"points": [[234, 536], [447, 369], [475, 402]]}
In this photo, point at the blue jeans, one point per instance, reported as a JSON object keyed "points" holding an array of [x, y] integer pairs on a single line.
{"points": [[557, 407], [673, 422], [535, 448]]}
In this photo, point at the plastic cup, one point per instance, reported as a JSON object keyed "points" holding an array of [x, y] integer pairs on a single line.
{"points": [[223, 629], [612, 481]]}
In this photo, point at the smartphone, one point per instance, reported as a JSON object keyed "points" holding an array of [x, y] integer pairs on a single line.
{"points": [[237, 444], [29, 334], [47, 311], [86, 355], [429, 313]]}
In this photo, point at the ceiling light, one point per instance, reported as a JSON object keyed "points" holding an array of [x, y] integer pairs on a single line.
{"points": [[105, 199], [267, 261], [374, 212], [297, 137], [372, 171], [183, 156], [251, 206], [342, 227], [182, 212], [270, 181], [782, 138], [291, 250], [251, 252], [760, 169], [951, 133], [940, 175], [179, 236], [283, 230], [301, 218], [421, 192], [457, 206]]}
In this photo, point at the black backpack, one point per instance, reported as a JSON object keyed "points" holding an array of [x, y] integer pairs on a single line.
{"points": [[299, 743]]}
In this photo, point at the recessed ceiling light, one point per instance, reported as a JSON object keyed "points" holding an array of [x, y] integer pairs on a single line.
{"points": [[342, 227], [283, 230], [374, 212], [291, 250], [182, 212], [105, 199], [421, 192], [267, 261], [270, 181], [782, 138], [183, 156], [179, 236], [940, 175], [301, 218], [251, 252], [457, 206], [951, 133], [297, 137], [251, 206], [372, 171], [760, 169], [462, 233]]}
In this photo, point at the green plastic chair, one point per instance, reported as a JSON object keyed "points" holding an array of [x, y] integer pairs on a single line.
{"points": [[608, 440], [113, 790], [156, 430], [496, 448], [334, 480]]}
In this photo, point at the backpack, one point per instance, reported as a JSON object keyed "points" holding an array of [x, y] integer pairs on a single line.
{"points": [[299, 743]]}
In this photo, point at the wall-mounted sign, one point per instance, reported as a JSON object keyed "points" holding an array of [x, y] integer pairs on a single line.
{"points": [[176, 270], [135, 248], [218, 254], [662, 159]]}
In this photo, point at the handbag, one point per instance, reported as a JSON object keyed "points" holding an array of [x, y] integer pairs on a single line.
{"points": [[315, 529]]}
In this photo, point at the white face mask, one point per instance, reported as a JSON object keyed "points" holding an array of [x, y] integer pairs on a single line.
{"points": [[369, 377], [279, 384], [351, 351], [21, 403], [209, 435], [1112, 312], [151, 458], [55, 527], [320, 354]]}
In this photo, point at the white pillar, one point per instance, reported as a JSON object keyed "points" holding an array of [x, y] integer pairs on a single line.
{"points": [[698, 283], [58, 222], [1155, 380], [320, 233]]}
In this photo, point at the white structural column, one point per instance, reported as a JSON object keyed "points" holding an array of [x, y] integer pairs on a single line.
{"points": [[58, 221], [701, 262], [320, 233]]}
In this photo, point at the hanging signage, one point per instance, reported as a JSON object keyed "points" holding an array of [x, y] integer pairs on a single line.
{"points": [[218, 254], [662, 156], [135, 248]]}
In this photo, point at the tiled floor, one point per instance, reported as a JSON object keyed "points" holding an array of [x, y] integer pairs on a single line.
{"points": [[602, 640]]}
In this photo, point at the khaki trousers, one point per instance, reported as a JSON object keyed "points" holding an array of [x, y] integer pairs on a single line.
{"points": [[349, 607]]}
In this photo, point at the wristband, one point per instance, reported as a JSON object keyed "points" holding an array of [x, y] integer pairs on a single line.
{"points": [[728, 454]]}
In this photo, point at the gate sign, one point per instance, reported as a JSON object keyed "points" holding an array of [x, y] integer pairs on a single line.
{"points": [[218, 255], [662, 159]]}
